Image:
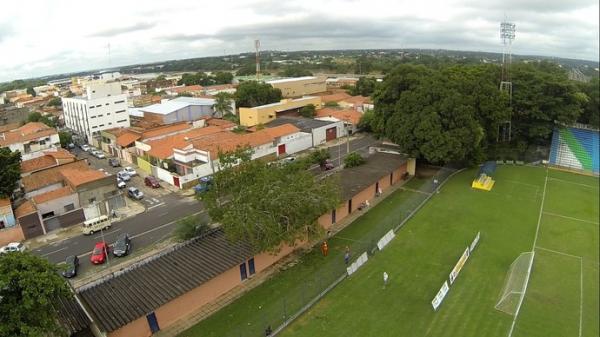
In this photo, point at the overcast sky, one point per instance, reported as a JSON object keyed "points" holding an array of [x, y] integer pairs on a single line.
{"points": [[47, 37]]}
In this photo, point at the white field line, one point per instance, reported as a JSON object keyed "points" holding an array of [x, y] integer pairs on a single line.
{"points": [[580, 258], [522, 183], [413, 190], [574, 183], [514, 322], [572, 218], [54, 251]]}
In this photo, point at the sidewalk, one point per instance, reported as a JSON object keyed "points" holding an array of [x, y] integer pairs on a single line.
{"points": [[205, 311], [132, 209]]}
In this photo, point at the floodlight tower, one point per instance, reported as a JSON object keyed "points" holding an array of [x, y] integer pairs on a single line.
{"points": [[257, 47], [507, 34]]}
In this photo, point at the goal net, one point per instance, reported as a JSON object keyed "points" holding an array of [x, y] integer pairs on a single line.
{"points": [[515, 284]]}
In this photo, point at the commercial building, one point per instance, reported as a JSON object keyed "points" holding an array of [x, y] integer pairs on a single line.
{"points": [[30, 139], [179, 109], [102, 107], [299, 86], [266, 113]]}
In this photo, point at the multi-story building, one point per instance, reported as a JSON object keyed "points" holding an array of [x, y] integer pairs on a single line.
{"points": [[102, 107]]}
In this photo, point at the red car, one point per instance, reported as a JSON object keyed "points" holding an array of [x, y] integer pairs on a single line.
{"points": [[99, 253], [151, 181]]}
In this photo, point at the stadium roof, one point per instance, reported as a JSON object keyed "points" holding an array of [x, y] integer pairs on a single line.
{"points": [[293, 79]]}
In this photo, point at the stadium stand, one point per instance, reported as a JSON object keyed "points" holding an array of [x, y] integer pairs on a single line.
{"points": [[576, 148]]}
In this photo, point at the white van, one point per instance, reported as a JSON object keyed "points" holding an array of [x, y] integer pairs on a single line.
{"points": [[96, 224]]}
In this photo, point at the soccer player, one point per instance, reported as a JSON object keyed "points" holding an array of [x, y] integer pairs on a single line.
{"points": [[385, 279]]}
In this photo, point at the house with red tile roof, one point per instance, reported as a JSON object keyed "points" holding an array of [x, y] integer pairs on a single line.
{"points": [[50, 158], [349, 116], [61, 194], [30, 139]]}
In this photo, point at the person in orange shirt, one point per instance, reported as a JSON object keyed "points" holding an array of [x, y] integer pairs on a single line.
{"points": [[324, 248]]}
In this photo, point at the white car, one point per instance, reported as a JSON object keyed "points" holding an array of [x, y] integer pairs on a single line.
{"points": [[98, 154], [123, 175], [85, 147], [121, 183], [13, 247], [129, 170]]}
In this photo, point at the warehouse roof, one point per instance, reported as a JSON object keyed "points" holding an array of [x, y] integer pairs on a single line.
{"points": [[176, 104], [127, 295], [304, 124], [293, 79]]}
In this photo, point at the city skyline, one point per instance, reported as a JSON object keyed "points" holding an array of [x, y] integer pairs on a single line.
{"points": [[63, 36]]}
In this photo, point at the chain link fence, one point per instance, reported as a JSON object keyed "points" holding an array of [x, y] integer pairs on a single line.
{"points": [[320, 274]]}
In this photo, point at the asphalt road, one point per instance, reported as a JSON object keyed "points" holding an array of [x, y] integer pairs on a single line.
{"points": [[145, 229], [157, 222]]}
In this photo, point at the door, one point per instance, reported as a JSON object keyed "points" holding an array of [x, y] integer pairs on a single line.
{"points": [[243, 273], [251, 269], [176, 181], [153, 322], [330, 134], [376, 188], [349, 206], [281, 149], [333, 217]]}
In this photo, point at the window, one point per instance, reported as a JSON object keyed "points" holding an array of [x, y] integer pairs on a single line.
{"points": [[122, 120], [92, 200], [108, 114], [107, 104], [251, 268], [117, 102], [48, 215], [99, 105], [69, 207], [120, 111], [100, 115], [92, 107], [101, 125], [94, 127], [243, 273]]}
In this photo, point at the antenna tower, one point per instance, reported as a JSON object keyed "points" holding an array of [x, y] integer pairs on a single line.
{"points": [[257, 47], [507, 34]]}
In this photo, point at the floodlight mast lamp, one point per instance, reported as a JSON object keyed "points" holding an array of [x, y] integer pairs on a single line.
{"points": [[507, 34]]}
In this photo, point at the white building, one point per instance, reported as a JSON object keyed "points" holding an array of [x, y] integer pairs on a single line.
{"points": [[30, 139], [102, 107]]}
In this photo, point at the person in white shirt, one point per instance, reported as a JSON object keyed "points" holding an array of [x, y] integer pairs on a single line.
{"points": [[385, 278]]}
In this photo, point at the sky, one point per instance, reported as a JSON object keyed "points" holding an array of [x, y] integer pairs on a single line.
{"points": [[39, 38]]}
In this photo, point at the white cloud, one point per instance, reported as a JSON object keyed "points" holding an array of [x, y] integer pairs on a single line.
{"points": [[45, 37]]}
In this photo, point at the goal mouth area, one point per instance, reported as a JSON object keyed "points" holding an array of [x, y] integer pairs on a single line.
{"points": [[515, 284]]}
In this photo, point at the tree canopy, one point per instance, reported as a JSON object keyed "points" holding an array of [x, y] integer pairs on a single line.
{"points": [[251, 93], [29, 286], [206, 80], [222, 104], [65, 138], [267, 205], [56, 101], [11, 171], [38, 117], [365, 86], [295, 71], [454, 112], [308, 111]]}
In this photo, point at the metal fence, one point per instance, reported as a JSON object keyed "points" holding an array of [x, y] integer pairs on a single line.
{"points": [[313, 279]]}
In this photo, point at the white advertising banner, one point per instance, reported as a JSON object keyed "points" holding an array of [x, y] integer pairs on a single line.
{"points": [[437, 300], [475, 242], [385, 239], [461, 262], [362, 259]]}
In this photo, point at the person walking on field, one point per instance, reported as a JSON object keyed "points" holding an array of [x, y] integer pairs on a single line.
{"points": [[385, 279], [347, 255]]}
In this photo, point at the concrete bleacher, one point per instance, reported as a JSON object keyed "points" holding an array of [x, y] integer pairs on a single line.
{"points": [[576, 148]]}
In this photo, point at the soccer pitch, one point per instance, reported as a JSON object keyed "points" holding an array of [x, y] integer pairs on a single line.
{"points": [[555, 211]]}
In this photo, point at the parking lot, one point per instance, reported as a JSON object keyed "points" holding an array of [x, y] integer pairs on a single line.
{"points": [[153, 197]]}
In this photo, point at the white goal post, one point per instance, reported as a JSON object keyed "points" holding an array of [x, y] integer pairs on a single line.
{"points": [[515, 284]]}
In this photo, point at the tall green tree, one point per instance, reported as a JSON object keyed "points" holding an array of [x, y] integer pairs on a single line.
{"points": [[365, 86], [38, 117], [295, 71], [590, 103], [267, 205], [251, 93], [65, 138], [10, 162], [308, 111], [29, 287], [222, 104], [31, 91]]}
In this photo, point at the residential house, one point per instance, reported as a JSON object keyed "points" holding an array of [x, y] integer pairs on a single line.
{"points": [[299, 86], [49, 158], [193, 90], [215, 89], [321, 131], [264, 114], [30, 139], [358, 103], [102, 107], [9, 230], [68, 194], [350, 117], [339, 82]]}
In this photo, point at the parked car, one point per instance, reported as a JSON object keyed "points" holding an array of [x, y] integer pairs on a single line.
{"points": [[123, 176], [204, 185], [151, 181], [122, 245], [70, 146], [121, 183], [85, 147], [13, 247], [72, 263], [288, 160], [114, 162], [130, 171], [134, 193], [98, 154], [99, 253]]}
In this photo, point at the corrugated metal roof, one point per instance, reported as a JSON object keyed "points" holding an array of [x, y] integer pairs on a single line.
{"points": [[176, 104], [143, 287], [293, 79]]}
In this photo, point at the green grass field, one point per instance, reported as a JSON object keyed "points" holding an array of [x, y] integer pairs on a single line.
{"points": [[557, 210]]}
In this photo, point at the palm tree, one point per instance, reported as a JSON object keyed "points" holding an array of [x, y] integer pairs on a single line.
{"points": [[222, 104]]}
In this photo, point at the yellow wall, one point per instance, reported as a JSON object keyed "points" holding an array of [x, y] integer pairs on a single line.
{"points": [[301, 87], [144, 165], [265, 113]]}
